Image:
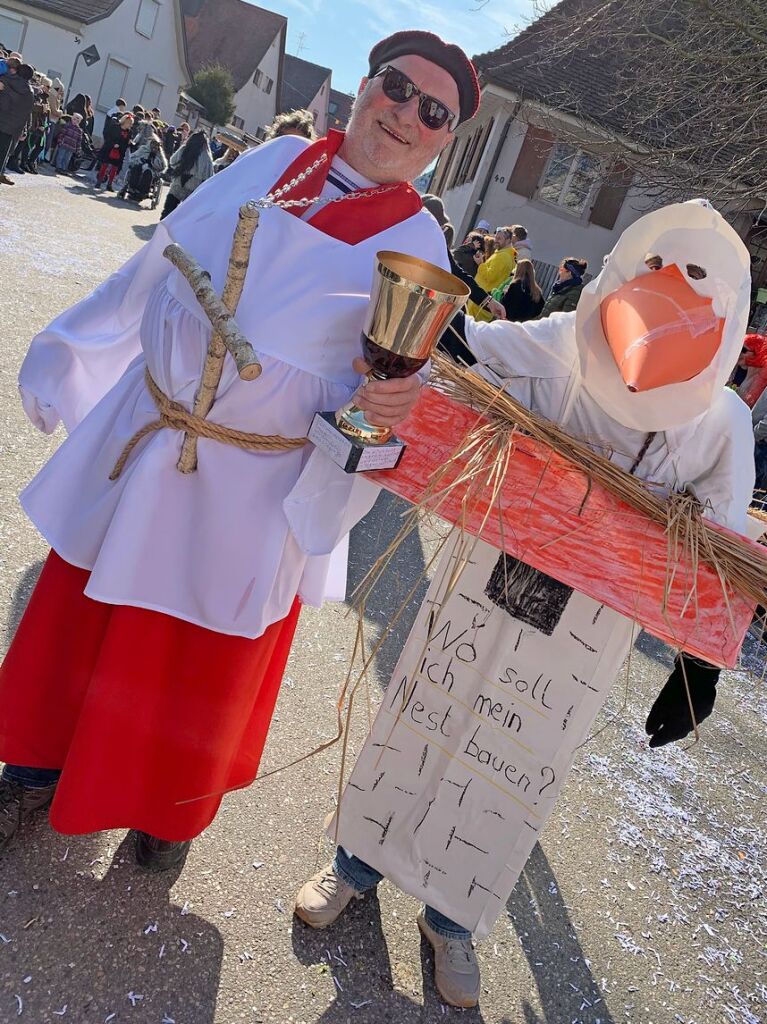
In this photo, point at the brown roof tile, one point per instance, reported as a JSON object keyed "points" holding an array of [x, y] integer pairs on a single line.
{"points": [[229, 32], [301, 81], [83, 11], [586, 82]]}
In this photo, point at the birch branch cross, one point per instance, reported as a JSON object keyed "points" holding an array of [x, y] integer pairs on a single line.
{"points": [[226, 334]]}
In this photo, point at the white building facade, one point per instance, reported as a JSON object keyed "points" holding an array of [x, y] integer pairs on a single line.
{"points": [[140, 45], [256, 101], [508, 166]]}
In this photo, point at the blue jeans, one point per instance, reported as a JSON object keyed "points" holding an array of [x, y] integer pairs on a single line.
{"points": [[63, 158], [32, 778], [361, 876]]}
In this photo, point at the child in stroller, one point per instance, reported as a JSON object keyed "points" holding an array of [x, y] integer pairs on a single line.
{"points": [[145, 170]]}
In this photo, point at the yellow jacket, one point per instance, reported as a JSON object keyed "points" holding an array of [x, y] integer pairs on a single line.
{"points": [[490, 274]]}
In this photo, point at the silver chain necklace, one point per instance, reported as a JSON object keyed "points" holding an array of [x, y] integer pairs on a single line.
{"points": [[275, 198]]}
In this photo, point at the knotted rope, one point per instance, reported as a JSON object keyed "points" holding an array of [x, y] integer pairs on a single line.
{"points": [[174, 416]]}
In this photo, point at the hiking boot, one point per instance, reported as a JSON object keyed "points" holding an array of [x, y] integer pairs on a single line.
{"points": [[456, 971], [17, 802], [155, 854], [322, 899]]}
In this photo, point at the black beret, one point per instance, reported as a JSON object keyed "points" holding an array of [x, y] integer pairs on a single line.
{"points": [[445, 55]]}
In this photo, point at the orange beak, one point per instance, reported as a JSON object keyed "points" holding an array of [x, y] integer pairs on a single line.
{"points": [[660, 331]]}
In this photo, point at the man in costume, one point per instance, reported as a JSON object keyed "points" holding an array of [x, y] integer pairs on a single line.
{"points": [[639, 371], [142, 679]]}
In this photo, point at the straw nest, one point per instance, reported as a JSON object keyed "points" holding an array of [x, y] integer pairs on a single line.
{"points": [[740, 566]]}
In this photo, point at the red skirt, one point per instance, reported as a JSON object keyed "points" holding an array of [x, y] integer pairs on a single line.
{"points": [[151, 719]]}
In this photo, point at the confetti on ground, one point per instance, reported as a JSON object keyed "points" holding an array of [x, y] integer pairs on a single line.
{"points": [[20, 1005], [134, 998], [62, 1011]]}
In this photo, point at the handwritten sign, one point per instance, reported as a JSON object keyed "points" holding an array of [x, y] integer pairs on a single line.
{"points": [[498, 684]]}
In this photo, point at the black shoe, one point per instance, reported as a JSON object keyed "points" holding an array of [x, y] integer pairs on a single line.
{"points": [[17, 802], [154, 854], [31, 169]]}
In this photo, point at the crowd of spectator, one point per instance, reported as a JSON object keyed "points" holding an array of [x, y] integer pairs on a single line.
{"points": [[135, 151], [499, 271]]}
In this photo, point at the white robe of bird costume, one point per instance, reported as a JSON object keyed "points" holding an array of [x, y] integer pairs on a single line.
{"points": [[426, 805]]}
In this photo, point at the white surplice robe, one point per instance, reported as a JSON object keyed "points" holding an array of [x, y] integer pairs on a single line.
{"points": [[229, 546]]}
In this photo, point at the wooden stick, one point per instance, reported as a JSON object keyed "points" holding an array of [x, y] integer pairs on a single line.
{"points": [[226, 335]]}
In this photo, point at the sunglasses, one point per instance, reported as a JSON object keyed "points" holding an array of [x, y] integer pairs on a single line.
{"points": [[398, 87]]}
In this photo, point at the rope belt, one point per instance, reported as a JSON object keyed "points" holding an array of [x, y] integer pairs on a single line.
{"points": [[174, 416]]}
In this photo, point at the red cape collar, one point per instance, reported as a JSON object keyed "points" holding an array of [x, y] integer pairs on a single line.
{"points": [[355, 220]]}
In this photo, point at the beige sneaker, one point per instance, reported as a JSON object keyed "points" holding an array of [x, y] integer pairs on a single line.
{"points": [[456, 971], [322, 899]]}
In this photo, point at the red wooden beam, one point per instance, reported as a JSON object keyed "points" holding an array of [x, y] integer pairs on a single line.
{"points": [[585, 538]]}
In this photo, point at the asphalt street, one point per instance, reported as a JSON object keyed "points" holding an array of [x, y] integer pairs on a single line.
{"points": [[644, 901]]}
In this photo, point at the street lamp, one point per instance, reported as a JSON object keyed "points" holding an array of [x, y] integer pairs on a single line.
{"points": [[91, 55]]}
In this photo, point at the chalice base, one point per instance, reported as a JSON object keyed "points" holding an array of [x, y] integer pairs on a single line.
{"points": [[354, 454]]}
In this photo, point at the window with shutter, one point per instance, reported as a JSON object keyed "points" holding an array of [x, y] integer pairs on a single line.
{"points": [[442, 166], [113, 83], [151, 93], [479, 152], [611, 196], [12, 31], [532, 159], [462, 176], [146, 17], [460, 153], [570, 177]]}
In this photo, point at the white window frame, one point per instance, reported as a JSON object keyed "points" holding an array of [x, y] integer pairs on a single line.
{"points": [[158, 81], [268, 83], [100, 105], [235, 119], [559, 202], [24, 25], [143, 5]]}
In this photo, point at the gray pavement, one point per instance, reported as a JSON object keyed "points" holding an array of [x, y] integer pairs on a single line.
{"points": [[644, 901]]}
